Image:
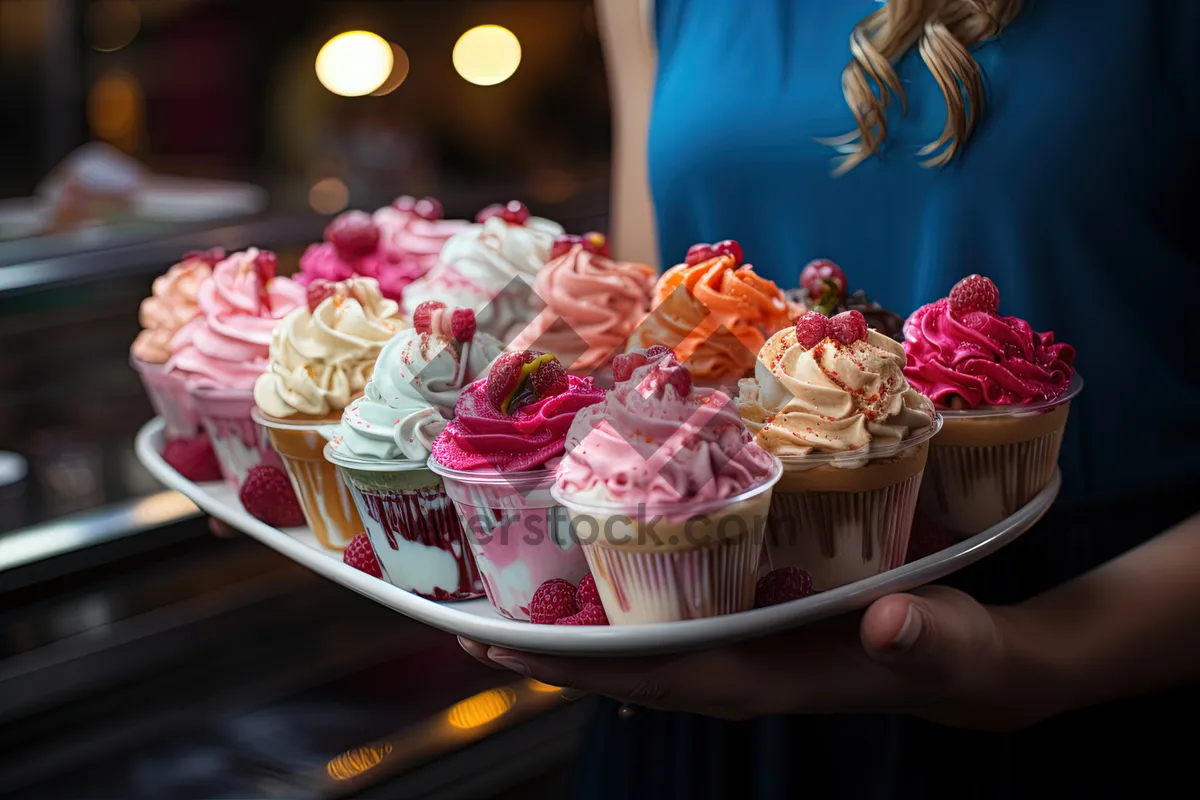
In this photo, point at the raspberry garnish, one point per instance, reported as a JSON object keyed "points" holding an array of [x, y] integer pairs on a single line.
{"points": [[974, 293]]}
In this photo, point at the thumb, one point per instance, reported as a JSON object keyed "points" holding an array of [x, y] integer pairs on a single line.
{"points": [[935, 631]]}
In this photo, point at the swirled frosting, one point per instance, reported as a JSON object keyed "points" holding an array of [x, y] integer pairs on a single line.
{"points": [[477, 267], [832, 397], [720, 315], [322, 359], [480, 437], [593, 304], [174, 301], [981, 359], [410, 242], [416, 384], [228, 344], [642, 446]]}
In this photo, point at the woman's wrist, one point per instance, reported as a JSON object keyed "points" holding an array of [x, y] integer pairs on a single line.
{"points": [[1030, 683]]}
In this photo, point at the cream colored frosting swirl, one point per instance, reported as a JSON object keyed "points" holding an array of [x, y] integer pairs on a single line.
{"points": [[416, 384], [831, 398], [321, 360]]}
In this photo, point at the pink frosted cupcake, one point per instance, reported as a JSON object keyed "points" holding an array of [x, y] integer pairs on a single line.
{"points": [[497, 457], [593, 304], [174, 302], [668, 493], [396, 245], [1004, 390], [220, 354]]}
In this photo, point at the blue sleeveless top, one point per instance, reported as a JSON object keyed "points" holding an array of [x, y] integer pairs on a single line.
{"points": [[1070, 195]]}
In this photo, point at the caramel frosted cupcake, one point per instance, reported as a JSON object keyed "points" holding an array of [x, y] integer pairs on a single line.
{"points": [[829, 398], [321, 357]]}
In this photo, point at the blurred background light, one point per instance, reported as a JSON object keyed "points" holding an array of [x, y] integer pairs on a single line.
{"points": [[400, 65], [487, 55], [485, 707], [354, 63], [111, 24], [114, 109], [328, 196]]}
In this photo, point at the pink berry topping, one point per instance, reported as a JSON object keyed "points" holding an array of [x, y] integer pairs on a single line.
{"points": [[563, 244], [667, 371], [428, 208], [730, 248], [518, 379], [591, 614], [811, 329], [462, 325], [353, 233], [596, 242], [782, 585], [624, 365], [212, 256], [699, 253], [974, 293], [823, 276], [656, 351], [422, 318], [849, 327], [360, 555], [319, 291], [586, 593], [513, 212], [267, 495], [405, 202], [265, 265], [552, 601]]}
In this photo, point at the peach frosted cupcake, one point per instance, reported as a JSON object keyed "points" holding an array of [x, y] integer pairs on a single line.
{"points": [[715, 313], [592, 305]]}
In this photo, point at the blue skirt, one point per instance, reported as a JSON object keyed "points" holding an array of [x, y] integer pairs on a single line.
{"points": [[1145, 747]]}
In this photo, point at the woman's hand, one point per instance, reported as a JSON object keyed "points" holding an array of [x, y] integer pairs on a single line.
{"points": [[935, 653]]}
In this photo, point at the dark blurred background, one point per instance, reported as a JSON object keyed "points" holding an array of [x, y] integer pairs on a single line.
{"points": [[139, 655]]}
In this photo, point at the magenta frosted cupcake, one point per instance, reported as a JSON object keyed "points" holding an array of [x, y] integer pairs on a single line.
{"points": [[497, 457], [1004, 391], [668, 494]]}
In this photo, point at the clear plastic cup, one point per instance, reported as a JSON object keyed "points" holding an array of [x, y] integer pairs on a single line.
{"points": [[237, 439], [170, 399], [413, 527], [519, 533], [987, 463], [843, 517], [679, 561], [326, 501]]}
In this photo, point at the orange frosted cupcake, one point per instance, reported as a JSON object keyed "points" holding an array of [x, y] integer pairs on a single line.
{"points": [[715, 312]]}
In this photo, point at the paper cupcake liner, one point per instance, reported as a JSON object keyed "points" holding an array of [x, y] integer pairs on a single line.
{"points": [[327, 502], [639, 586], [239, 444], [520, 535], [419, 543], [517, 550], [842, 537], [970, 488], [170, 400]]}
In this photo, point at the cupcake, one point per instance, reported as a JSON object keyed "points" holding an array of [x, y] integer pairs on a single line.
{"points": [[175, 301], [1005, 392], [221, 353], [593, 304], [383, 442], [498, 456], [322, 355], [411, 235], [824, 288], [668, 493], [491, 267], [829, 399], [715, 312]]}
